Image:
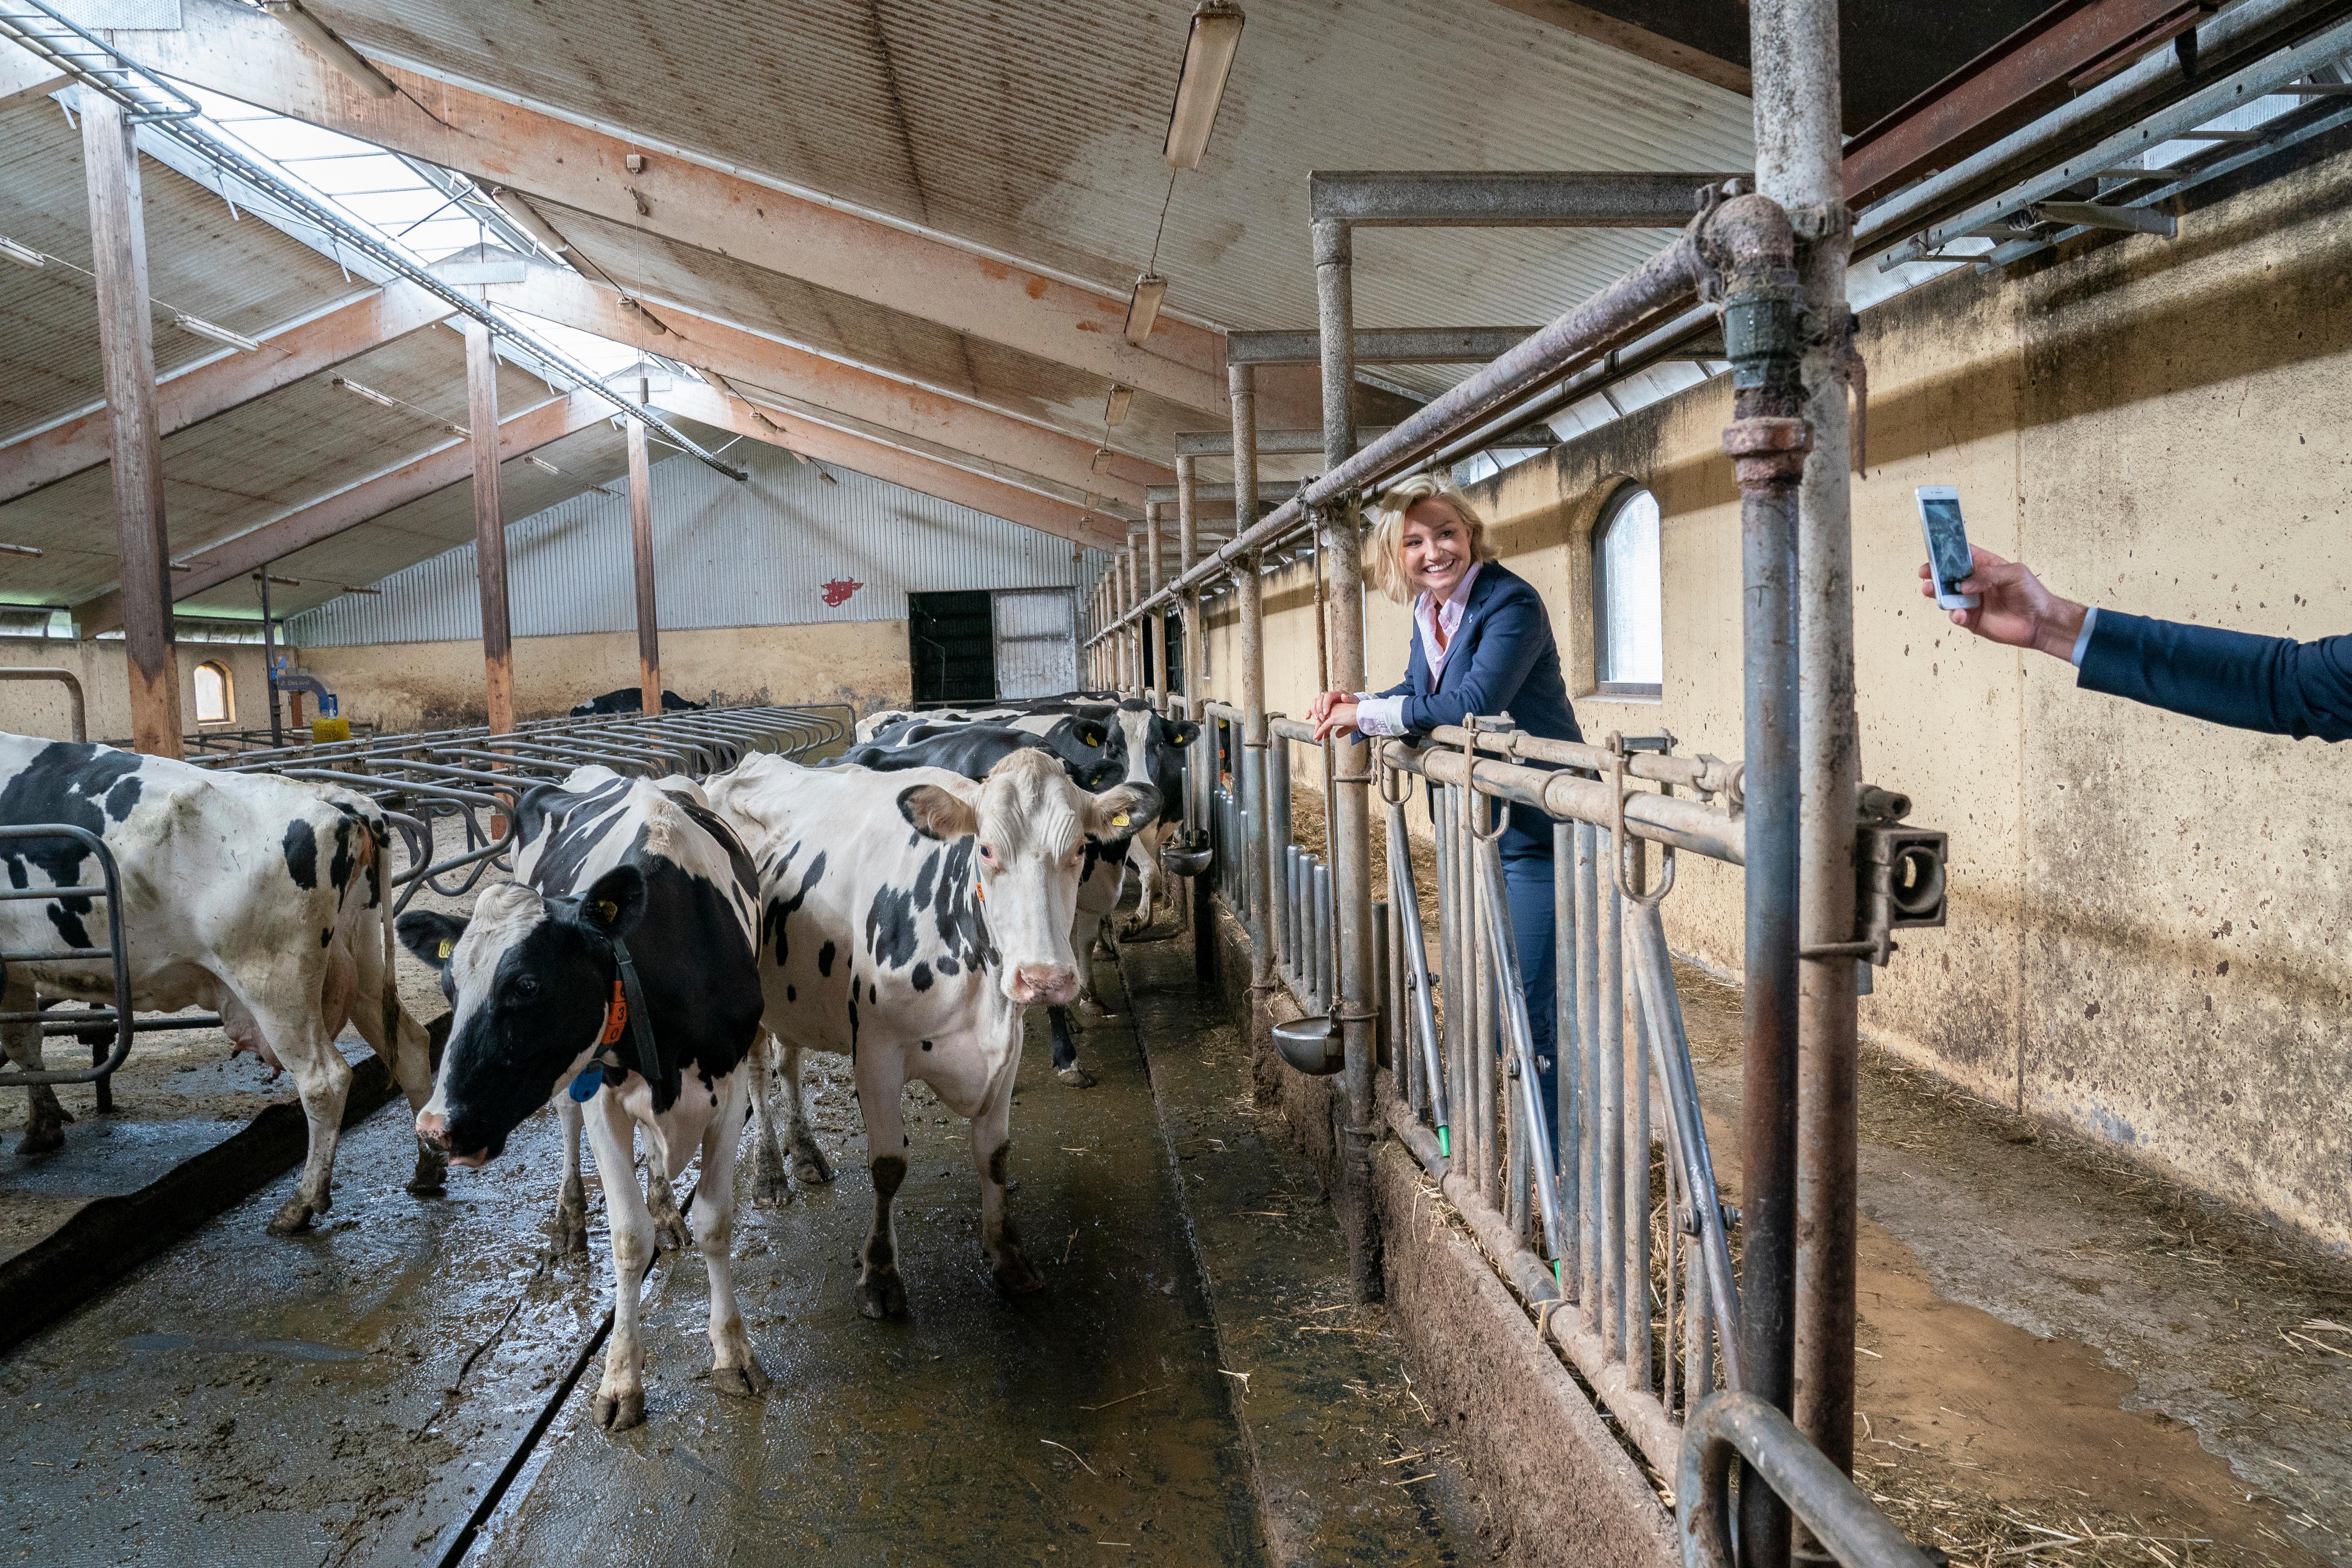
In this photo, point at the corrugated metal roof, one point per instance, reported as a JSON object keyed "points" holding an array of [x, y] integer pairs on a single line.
{"points": [[1037, 132], [757, 554], [239, 274], [254, 463]]}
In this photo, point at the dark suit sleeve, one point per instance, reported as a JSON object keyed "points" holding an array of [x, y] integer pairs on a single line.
{"points": [[1508, 646], [2271, 684], [1402, 688]]}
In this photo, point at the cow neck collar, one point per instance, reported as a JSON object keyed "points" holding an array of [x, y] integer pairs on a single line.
{"points": [[626, 1045]]}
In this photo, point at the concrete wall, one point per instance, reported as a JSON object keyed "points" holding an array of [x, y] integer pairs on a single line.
{"points": [[43, 708], [407, 686], [2147, 914]]}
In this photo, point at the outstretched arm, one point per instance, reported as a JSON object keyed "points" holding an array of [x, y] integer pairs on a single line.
{"points": [[1507, 652]]}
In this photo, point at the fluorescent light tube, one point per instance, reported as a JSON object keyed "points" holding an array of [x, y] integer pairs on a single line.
{"points": [[21, 255], [20, 550], [323, 39], [205, 329], [370, 392], [536, 461], [1143, 307], [1115, 408], [1208, 57]]}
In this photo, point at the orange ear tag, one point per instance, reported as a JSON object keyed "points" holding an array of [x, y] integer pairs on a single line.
{"points": [[617, 1017]]}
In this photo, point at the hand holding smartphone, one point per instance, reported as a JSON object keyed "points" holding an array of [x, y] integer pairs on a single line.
{"points": [[1949, 559]]}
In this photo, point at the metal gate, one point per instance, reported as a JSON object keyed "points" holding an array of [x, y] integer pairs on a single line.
{"points": [[1036, 642]]}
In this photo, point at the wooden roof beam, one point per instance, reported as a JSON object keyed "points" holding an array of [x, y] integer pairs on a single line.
{"points": [[232, 50], [298, 349]]}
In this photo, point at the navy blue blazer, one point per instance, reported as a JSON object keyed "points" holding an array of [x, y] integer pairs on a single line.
{"points": [[2272, 684], [1502, 660]]}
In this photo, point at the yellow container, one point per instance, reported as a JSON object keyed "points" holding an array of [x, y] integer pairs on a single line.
{"points": [[324, 731]]}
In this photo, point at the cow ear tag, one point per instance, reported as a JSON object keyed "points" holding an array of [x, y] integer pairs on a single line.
{"points": [[445, 949], [1120, 821], [607, 911], [617, 1017]]}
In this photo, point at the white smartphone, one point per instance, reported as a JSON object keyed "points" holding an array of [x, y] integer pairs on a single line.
{"points": [[1949, 559]]}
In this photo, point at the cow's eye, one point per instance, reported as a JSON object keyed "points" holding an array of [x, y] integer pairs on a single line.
{"points": [[988, 853], [526, 985]]}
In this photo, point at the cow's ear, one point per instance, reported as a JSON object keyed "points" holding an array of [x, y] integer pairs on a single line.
{"points": [[1088, 733], [614, 903], [938, 813], [431, 936], [1182, 731], [1122, 813]]}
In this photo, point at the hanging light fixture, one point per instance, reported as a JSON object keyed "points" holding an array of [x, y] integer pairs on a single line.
{"points": [[205, 329], [21, 255], [1208, 57], [536, 461], [20, 550], [1102, 461], [370, 392], [1143, 307], [1116, 406]]}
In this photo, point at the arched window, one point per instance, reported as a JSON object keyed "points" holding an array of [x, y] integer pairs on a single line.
{"points": [[1628, 627], [215, 695]]}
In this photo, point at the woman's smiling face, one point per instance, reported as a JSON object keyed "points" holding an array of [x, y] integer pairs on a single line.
{"points": [[1436, 548]]}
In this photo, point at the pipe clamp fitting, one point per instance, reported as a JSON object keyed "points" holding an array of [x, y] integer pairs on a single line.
{"points": [[1768, 449]]}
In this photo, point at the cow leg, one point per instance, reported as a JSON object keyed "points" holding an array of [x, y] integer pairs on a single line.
{"points": [[621, 1398], [322, 1079], [733, 1368], [569, 1231], [1066, 1051], [810, 1167], [881, 1291], [661, 1200], [768, 1184], [1146, 878], [405, 1049], [991, 1145], [45, 1118]]}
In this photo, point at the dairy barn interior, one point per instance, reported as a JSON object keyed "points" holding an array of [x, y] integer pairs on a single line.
{"points": [[492, 494]]}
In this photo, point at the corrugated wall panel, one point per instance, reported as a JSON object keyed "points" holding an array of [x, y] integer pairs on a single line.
{"points": [[785, 548]]}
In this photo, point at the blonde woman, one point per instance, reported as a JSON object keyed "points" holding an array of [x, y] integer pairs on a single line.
{"points": [[1482, 643]]}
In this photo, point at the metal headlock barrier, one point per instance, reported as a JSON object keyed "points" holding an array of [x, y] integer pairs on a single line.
{"points": [[468, 777]]}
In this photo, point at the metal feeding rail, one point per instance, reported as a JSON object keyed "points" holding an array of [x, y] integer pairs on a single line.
{"points": [[469, 776]]}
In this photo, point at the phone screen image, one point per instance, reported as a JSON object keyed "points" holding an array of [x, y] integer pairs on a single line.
{"points": [[1947, 542]]}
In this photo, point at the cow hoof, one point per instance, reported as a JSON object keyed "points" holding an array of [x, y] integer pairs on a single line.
{"points": [[294, 1218], [769, 1188], [1076, 1077], [882, 1295], [568, 1232], [1015, 1275], [670, 1234], [810, 1167], [1094, 1009], [746, 1381], [42, 1138], [617, 1410], [431, 1178]]}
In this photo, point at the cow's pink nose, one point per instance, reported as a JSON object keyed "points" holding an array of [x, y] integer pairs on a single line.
{"points": [[1044, 983], [434, 1128]]}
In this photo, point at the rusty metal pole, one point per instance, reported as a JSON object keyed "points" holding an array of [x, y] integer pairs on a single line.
{"points": [[1155, 624], [1133, 644], [126, 343], [269, 660], [1799, 165], [1350, 809], [1767, 441], [489, 526], [640, 550], [1258, 850], [1199, 799]]}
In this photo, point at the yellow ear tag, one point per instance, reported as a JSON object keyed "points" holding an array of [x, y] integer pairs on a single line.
{"points": [[445, 948], [1120, 821], [607, 911]]}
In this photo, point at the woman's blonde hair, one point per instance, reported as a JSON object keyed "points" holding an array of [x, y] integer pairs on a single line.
{"points": [[1384, 551]]}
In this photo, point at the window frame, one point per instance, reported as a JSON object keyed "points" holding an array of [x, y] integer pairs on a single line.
{"points": [[227, 691], [1612, 510]]}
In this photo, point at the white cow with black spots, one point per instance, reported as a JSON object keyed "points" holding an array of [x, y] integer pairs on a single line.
{"points": [[260, 898], [910, 918]]}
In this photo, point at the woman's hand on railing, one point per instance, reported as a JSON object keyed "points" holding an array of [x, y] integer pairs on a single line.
{"points": [[1333, 715]]}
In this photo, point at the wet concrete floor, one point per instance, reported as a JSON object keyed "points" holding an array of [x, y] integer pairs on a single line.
{"points": [[349, 1395]]}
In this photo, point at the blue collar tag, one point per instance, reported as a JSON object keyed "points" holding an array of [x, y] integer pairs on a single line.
{"points": [[585, 1086]]}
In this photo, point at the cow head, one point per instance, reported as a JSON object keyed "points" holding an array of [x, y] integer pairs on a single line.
{"points": [[1032, 824], [530, 981], [1151, 749]]}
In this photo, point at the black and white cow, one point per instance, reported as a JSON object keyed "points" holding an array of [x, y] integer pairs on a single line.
{"points": [[972, 749], [908, 920], [632, 700], [257, 897], [540, 1003]]}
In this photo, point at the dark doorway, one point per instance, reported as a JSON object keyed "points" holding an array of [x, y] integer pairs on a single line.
{"points": [[951, 646]]}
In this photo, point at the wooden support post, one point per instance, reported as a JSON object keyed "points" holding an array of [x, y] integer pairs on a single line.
{"points": [[641, 544], [127, 344], [489, 526]]}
